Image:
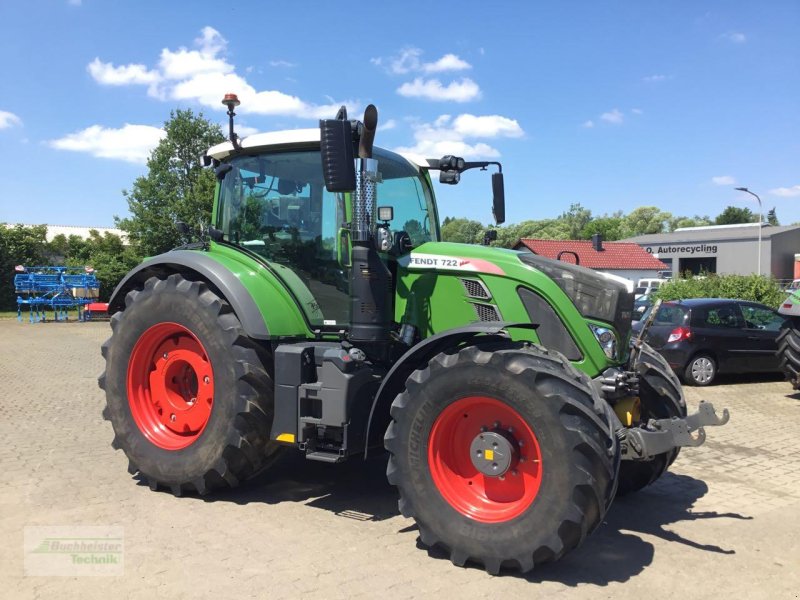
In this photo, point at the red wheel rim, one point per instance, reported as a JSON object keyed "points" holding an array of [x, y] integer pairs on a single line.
{"points": [[485, 498], [170, 386]]}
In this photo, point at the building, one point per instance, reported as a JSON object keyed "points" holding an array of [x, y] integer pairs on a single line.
{"points": [[625, 259], [727, 249]]}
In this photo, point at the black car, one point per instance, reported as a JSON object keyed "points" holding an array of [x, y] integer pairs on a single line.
{"points": [[702, 337]]}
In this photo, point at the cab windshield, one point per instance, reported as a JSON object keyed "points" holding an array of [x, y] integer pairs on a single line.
{"points": [[276, 205]]}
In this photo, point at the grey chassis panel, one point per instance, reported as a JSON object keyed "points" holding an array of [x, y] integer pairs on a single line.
{"points": [[430, 347], [216, 274]]}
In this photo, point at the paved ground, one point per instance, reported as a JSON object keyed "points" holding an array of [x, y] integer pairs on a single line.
{"points": [[725, 521]]}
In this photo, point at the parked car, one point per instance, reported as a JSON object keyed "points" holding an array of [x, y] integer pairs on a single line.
{"points": [[645, 287], [703, 337], [640, 306]]}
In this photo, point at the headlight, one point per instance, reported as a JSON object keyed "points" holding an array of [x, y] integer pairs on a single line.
{"points": [[607, 339]]}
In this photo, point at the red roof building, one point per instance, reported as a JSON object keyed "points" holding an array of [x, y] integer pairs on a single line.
{"points": [[622, 258]]}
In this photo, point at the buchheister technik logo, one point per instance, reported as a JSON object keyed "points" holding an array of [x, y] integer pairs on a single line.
{"points": [[74, 550]]}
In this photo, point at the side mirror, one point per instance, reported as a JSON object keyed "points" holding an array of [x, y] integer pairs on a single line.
{"points": [[336, 148], [498, 198]]}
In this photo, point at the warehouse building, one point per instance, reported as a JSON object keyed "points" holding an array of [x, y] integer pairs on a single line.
{"points": [[727, 249]]}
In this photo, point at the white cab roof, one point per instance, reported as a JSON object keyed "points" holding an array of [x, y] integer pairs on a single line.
{"points": [[290, 138]]}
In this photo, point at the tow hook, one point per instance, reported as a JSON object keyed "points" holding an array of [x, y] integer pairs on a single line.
{"points": [[663, 435]]}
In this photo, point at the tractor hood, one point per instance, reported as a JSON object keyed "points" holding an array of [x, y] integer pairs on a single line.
{"points": [[596, 295]]}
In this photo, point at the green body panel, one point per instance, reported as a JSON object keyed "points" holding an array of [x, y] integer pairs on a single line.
{"points": [[431, 296], [279, 308]]}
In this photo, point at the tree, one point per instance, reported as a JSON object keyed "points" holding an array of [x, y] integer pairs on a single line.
{"points": [[176, 187], [733, 215], [464, 231], [772, 218], [19, 245], [644, 220], [609, 227], [576, 219], [695, 221]]}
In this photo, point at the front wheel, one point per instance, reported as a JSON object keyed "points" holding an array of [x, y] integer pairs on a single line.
{"points": [[503, 455], [660, 397], [189, 400]]}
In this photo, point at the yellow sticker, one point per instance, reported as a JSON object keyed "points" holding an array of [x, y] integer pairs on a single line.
{"points": [[489, 454]]}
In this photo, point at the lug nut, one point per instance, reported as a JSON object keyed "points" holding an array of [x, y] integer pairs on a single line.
{"points": [[165, 355], [172, 417], [191, 401], [206, 379], [514, 472], [510, 430], [522, 459], [497, 424], [484, 428]]}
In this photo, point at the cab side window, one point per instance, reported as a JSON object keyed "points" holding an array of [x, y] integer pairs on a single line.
{"points": [[757, 317], [722, 317]]}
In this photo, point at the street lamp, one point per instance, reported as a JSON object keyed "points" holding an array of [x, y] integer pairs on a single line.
{"points": [[744, 189]]}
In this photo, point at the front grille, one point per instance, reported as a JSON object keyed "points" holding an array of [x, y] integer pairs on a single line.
{"points": [[487, 312], [475, 289]]}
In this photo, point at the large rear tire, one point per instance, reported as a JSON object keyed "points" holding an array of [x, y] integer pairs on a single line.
{"points": [[661, 397], [789, 352], [557, 455], [186, 393]]}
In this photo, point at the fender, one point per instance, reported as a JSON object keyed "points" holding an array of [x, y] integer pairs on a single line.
{"points": [[212, 271], [428, 348]]}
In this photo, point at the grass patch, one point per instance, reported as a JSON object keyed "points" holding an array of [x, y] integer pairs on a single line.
{"points": [[7, 314]]}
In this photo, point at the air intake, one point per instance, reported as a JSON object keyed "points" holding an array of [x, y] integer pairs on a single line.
{"points": [[487, 312], [475, 289]]}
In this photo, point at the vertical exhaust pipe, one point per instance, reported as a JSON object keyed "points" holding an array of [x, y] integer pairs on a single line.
{"points": [[365, 199]]}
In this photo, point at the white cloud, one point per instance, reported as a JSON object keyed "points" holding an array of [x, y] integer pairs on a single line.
{"points": [[282, 63], [654, 78], [74, 2], [449, 62], [614, 116], [131, 143], [637, 111], [723, 180], [487, 126], [786, 192], [203, 75], [390, 124], [433, 89], [8, 119], [735, 37], [409, 60], [448, 135], [108, 74], [588, 124], [242, 130]]}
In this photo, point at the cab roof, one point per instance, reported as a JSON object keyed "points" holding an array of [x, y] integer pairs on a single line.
{"points": [[288, 140]]}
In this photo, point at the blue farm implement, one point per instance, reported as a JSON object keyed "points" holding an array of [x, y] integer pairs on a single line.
{"points": [[54, 289]]}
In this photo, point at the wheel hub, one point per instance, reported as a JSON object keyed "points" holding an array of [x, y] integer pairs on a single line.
{"points": [[492, 453]]}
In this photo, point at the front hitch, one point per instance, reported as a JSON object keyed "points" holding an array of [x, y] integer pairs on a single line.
{"points": [[663, 435]]}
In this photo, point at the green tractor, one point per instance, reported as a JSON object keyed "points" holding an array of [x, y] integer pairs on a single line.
{"points": [[319, 312]]}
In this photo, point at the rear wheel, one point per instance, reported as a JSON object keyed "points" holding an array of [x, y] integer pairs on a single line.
{"points": [[504, 456], [189, 400], [701, 370], [789, 352], [661, 397]]}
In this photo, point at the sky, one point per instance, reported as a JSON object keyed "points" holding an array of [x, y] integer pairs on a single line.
{"points": [[612, 105]]}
